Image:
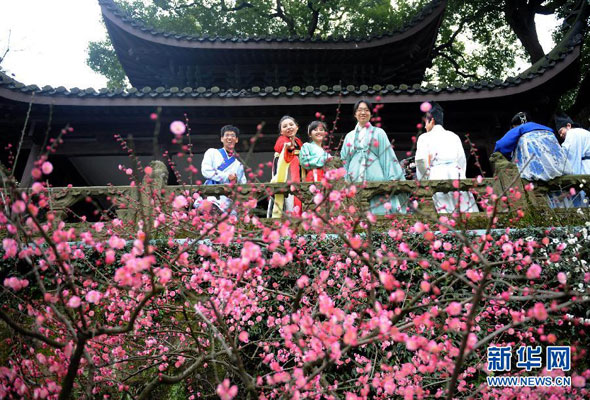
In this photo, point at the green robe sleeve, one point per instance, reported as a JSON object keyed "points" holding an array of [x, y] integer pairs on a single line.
{"points": [[346, 151], [392, 170], [312, 156]]}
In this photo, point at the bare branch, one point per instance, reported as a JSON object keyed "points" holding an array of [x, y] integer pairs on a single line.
{"points": [[29, 333], [7, 47], [284, 17]]}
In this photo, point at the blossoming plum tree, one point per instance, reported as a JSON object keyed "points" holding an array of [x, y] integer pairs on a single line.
{"points": [[334, 303]]}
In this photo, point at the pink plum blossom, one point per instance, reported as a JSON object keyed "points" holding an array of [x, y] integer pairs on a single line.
{"points": [[180, 202], [225, 391], [177, 128], [16, 284], [425, 107], [454, 308], [93, 296], [47, 168], [74, 302]]}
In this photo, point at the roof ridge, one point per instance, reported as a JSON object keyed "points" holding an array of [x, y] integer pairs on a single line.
{"points": [[114, 8]]}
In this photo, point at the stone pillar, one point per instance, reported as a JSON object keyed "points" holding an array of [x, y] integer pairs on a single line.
{"points": [[507, 176], [151, 187]]}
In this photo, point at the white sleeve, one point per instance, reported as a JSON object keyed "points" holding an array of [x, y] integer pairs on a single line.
{"points": [[241, 174], [461, 159], [209, 169], [422, 149]]}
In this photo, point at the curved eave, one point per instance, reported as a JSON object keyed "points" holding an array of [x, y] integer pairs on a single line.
{"points": [[559, 63], [312, 97], [431, 14], [481, 90]]}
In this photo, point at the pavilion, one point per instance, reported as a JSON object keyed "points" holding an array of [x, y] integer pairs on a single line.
{"points": [[245, 81]]}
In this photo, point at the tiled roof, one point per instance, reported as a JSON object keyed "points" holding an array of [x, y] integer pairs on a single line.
{"points": [[539, 69], [565, 53], [115, 10]]}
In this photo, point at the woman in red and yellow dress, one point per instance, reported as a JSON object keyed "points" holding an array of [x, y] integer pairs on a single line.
{"points": [[286, 168]]}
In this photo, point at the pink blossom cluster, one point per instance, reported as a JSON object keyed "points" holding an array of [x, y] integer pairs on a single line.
{"points": [[335, 303]]}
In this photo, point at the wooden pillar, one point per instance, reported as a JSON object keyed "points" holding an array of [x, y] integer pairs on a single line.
{"points": [[26, 179]]}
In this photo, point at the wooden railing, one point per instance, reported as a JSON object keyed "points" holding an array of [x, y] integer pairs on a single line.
{"points": [[127, 198]]}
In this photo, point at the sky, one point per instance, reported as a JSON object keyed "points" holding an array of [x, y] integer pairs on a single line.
{"points": [[49, 40]]}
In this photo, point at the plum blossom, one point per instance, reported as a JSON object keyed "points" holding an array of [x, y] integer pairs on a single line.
{"points": [[74, 302], [454, 308], [303, 281], [116, 242], [243, 336], [225, 391], [474, 275], [539, 312], [177, 128], [10, 247], [425, 107], [179, 202], [15, 283], [534, 271], [19, 207], [47, 168], [93, 296], [578, 381]]}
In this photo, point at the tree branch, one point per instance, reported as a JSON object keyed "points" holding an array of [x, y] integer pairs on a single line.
{"points": [[315, 17], [549, 8], [7, 47], [238, 7], [285, 18], [31, 334], [456, 66], [134, 315]]}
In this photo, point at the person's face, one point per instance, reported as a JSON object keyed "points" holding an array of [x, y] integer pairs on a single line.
{"points": [[289, 128], [318, 134], [563, 131], [363, 114], [229, 140]]}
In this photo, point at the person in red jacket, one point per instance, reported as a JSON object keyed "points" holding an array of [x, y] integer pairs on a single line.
{"points": [[286, 167]]}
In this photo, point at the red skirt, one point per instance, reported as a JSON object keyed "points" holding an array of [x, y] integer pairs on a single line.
{"points": [[314, 175]]}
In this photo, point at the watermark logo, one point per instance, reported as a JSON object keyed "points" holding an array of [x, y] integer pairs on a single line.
{"points": [[558, 357], [499, 359], [529, 357]]}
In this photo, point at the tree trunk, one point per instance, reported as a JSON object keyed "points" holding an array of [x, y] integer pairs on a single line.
{"points": [[521, 18], [68, 383]]}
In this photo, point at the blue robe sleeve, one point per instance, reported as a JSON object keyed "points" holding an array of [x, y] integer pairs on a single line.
{"points": [[508, 143]]}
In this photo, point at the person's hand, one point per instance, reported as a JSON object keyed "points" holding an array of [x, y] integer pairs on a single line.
{"points": [[232, 177]]}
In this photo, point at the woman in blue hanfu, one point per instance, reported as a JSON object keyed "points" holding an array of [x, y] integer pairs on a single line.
{"points": [[368, 157], [534, 149], [313, 157]]}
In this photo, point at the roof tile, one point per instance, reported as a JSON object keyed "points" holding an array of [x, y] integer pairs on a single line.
{"points": [[420, 16]]}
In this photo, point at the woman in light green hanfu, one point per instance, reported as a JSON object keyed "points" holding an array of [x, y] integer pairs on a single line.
{"points": [[368, 156], [312, 156]]}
